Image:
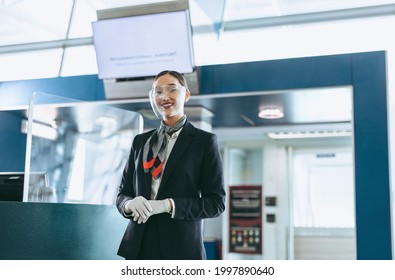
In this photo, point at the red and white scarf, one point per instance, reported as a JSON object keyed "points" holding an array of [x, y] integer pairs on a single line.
{"points": [[155, 148]]}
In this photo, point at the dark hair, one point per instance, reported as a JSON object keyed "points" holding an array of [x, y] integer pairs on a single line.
{"points": [[181, 79]]}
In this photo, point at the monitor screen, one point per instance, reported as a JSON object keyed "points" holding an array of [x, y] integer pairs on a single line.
{"points": [[143, 45], [11, 186]]}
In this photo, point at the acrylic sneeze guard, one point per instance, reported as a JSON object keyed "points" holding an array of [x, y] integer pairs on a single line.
{"points": [[76, 151]]}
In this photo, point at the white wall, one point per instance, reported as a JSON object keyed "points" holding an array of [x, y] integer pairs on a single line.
{"points": [[275, 175]]}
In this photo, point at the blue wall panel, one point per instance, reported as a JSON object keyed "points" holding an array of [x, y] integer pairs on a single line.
{"points": [[371, 157], [366, 73], [292, 73], [12, 142], [87, 88]]}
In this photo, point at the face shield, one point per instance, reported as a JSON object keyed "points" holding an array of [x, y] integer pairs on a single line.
{"points": [[153, 104], [160, 92]]}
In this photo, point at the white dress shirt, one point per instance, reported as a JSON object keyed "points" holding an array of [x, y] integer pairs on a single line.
{"points": [[171, 140]]}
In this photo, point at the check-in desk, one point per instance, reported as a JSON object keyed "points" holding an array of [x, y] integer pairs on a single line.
{"points": [[59, 231], [72, 173]]}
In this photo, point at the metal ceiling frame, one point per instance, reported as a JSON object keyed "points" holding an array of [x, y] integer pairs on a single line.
{"points": [[336, 15]]}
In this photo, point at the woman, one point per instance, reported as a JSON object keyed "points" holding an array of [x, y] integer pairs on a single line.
{"points": [[172, 181]]}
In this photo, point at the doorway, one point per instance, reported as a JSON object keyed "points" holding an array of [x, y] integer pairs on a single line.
{"points": [[323, 204]]}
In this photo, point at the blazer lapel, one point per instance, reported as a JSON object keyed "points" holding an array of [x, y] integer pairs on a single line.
{"points": [[147, 188], [183, 141]]}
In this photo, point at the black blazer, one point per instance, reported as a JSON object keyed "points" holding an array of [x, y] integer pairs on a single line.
{"points": [[193, 178]]}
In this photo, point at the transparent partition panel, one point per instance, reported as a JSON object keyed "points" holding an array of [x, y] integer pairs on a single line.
{"points": [[76, 151]]}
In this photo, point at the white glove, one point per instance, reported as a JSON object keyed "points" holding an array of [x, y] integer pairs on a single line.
{"points": [[140, 209], [160, 206]]}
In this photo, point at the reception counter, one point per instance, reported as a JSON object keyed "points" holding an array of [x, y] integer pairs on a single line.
{"points": [[56, 231]]}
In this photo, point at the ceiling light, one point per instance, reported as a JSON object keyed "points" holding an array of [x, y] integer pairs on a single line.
{"points": [[307, 134], [271, 113], [40, 130], [106, 121]]}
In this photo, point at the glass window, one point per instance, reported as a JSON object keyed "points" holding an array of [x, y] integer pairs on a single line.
{"points": [[79, 61], [249, 9], [83, 16], [33, 21], [30, 65], [28, 22], [245, 166]]}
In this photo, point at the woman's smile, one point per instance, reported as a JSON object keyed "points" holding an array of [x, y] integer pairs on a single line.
{"points": [[167, 104]]}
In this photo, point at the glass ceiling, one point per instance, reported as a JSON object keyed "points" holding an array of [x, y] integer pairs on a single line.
{"points": [[46, 38]]}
